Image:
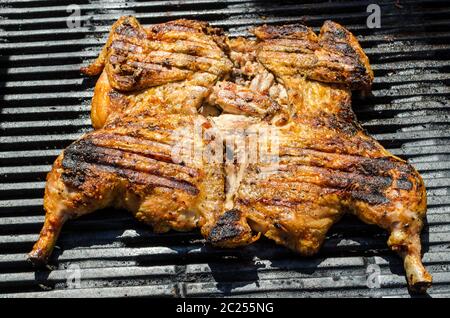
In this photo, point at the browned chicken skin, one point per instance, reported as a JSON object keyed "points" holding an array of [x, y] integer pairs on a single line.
{"points": [[290, 81]]}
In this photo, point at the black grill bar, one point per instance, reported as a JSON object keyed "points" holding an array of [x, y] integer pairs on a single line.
{"points": [[45, 105]]}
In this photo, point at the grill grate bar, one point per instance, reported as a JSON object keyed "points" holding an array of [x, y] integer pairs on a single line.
{"points": [[111, 5], [228, 11], [242, 22], [133, 254]]}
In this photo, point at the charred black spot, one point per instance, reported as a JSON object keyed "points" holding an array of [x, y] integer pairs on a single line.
{"points": [[76, 153], [73, 178], [83, 157], [378, 166], [371, 198], [346, 113], [342, 122], [369, 189], [227, 227]]}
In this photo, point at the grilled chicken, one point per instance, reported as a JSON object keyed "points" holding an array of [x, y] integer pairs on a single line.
{"points": [[291, 82], [129, 163]]}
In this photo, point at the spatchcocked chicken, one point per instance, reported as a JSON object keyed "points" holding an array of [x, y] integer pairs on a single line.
{"points": [[168, 90]]}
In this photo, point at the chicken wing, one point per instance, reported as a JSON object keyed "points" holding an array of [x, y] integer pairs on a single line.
{"points": [[328, 165]]}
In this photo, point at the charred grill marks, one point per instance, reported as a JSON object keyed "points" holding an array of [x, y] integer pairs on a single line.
{"points": [[345, 162], [84, 157], [129, 29]]}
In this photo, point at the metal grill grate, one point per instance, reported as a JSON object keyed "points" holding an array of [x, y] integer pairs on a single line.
{"points": [[45, 105]]}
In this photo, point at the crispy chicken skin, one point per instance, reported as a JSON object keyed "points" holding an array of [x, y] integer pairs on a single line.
{"points": [[328, 165], [291, 81]]}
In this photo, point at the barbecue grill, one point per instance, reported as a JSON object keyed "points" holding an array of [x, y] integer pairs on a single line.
{"points": [[45, 105]]}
